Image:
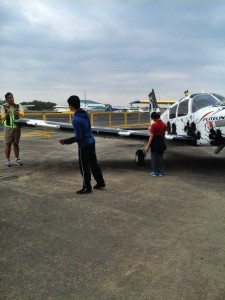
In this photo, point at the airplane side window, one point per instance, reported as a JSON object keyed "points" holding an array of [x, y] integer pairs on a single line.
{"points": [[173, 110], [183, 108]]}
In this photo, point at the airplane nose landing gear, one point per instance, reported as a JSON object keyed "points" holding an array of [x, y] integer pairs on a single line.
{"points": [[219, 148], [140, 157], [217, 140]]}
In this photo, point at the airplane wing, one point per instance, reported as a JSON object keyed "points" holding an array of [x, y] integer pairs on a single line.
{"points": [[96, 130], [106, 132], [179, 138]]}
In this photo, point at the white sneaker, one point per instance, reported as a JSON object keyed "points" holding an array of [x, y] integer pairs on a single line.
{"points": [[8, 163], [18, 162]]}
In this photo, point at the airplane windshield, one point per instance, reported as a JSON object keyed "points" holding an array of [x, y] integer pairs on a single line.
{"points": [[220, 97], [204, 100]]}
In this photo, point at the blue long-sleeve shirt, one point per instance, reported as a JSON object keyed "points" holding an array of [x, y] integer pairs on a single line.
{"points": [[82, 129]]}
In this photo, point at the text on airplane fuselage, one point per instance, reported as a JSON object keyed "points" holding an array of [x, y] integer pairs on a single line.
{"points": [[214, 118]]}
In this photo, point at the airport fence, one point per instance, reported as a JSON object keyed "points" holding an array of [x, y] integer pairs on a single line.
{"points": [[106, 119]]}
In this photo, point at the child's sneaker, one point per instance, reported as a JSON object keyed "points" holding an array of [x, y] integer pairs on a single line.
{"points": [[161, 174], [8, 163], [18, 162]]}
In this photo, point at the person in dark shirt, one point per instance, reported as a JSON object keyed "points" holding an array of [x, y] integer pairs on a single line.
{"points": [[86, 147], [157, 144]]}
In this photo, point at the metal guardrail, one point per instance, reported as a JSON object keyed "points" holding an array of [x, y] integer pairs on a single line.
{"points": [[106, 119]]}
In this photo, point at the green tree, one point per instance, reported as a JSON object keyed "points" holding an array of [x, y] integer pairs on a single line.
{"points": [[40, 105]]}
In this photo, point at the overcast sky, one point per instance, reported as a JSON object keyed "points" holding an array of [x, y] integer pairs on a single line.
{"points": [[114, 50]]}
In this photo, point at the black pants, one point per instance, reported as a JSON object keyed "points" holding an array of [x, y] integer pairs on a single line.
{"points": [[157, 162], [88, 164]]}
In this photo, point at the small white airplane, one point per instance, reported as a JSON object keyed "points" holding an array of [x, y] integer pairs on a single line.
{"points": [[87, 107], [65, 108], [127, 108], [197, 119], [117, 108], [27, 106], [61, 108]]}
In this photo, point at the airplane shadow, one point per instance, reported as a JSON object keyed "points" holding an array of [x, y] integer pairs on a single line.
{"points": [[176, 160], [197, 162]]}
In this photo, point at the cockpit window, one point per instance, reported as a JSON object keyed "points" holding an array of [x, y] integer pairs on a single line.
{"points": [[220, 97], [203, 100], [183, 108], [173, 112]]}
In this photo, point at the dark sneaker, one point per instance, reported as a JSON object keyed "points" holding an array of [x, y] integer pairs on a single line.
{"points": [[84, 191], [99, 186]]}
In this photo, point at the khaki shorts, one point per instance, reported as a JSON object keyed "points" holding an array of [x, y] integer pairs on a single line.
{"points": [[12, 135]]}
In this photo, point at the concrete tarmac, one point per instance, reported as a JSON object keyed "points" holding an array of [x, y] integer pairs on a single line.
{"points": [[141, 237]]}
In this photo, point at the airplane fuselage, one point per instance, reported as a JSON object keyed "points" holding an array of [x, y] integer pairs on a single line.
{"points": [[204, 123]]}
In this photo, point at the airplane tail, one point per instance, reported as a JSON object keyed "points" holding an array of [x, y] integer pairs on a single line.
{"points": [[153, 102]]}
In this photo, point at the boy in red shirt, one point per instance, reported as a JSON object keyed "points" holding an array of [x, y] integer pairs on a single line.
{"points": [[157, 144]]}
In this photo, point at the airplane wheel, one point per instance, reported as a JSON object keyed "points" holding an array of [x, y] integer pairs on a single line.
{"points": [[140, 157]]}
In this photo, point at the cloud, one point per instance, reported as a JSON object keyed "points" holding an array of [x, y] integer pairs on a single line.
{"points": [[116, 51]]}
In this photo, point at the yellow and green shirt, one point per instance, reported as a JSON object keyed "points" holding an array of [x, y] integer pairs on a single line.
{"points": [[15, 112]]}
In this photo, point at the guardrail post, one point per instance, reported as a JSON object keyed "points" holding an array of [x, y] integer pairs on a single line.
{"points": [[92, 119], [44, 117], [125, 119], [110, 119]]}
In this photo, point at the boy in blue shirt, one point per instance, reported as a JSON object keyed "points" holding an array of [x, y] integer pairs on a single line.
{"points": [[86, 147]]}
